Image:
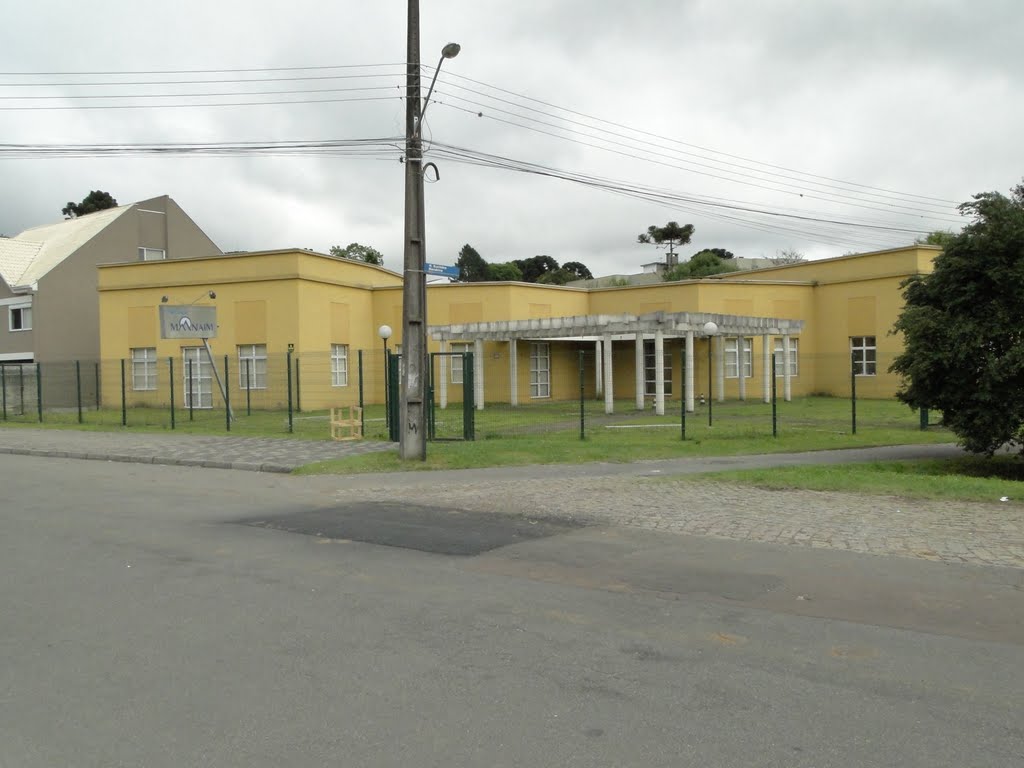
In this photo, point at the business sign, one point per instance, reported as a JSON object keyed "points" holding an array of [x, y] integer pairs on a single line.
{"points": [[442, 270], [188, 322]]}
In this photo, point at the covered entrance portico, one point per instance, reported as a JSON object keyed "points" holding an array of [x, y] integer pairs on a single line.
{"points": [[653, 329]]}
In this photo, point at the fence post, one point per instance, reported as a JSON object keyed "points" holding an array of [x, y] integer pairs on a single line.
{"points": [[775, 407], [227, 395], [78, 387], [582, 413], [248, 386], [191, 395], [291, 425], [298, 388], [362, 413], [468, 397], [170, 384], [682, 418], [21, 389], [853, 394], [39, 390], [124, 402], [924, 419], [3, 386], [97, 367]]}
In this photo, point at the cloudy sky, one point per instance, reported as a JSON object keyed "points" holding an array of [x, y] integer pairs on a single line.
{"points": [[823, 126]]}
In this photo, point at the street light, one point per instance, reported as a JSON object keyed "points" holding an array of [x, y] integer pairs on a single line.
{"points": [[385, 333], [710, 329], [412, 434]]}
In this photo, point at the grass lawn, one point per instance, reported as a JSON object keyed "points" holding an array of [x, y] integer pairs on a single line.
{"points": [[962, 479]]}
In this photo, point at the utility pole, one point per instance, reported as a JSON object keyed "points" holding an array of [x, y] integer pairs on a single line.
{"points": [[412, 443]]}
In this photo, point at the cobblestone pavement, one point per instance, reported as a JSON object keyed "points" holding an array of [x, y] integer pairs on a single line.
{"points": [[263, 454], [978, 533]]}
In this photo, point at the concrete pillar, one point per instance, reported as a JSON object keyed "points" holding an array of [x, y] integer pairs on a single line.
{"points": [[741, 359], [609, 391], [659, 373], [719, 346], [787, 387], [598, 368], [766, 363], [513, 372], [688, 375], [638, 369], [443, 374], [478, 373]]}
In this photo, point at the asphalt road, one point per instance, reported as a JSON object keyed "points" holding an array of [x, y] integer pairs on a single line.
{"points": [[165, 616]]}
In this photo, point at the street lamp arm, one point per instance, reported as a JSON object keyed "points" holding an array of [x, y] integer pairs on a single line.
{"points": [[450, 51]]}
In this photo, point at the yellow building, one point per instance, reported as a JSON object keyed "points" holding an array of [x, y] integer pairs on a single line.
{"points": [[819, 320]]}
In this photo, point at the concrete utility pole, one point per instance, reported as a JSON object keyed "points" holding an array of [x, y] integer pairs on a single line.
{"points": [[412, 437]]}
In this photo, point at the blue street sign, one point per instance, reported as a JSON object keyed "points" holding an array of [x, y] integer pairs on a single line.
{"points": [[442, 270]]}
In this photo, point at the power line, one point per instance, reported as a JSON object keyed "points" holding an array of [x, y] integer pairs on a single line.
{"points": [[190, 106], [198, 71]]}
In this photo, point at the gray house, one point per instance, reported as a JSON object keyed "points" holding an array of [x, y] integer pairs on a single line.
{"points": [[49, 309]]}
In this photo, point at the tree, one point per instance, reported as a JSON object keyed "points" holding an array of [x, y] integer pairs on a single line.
{"points": [[472, 267], [963, 341], [787, 256], [504, 272], [671, 235], [701, 264], [358, 252], [941, 237], [578, 270], [559, 276], [94, 201], [719, 252], [534, 268]]}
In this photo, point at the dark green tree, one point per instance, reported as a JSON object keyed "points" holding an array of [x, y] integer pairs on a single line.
{"points": [[719, 252], [504, 272], [671, 235], [533, 268], [472, 267], [701, 264], [963, 332], [94, 201], [578, 270], [941, 237], [358, 252], [559, 276]]}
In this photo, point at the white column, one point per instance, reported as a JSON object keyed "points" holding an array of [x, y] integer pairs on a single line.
{"points": [[787, 388], [598, 368], [443, 373], [638, 370], [513, 372], [478, 373], [720, 367], [766, 364], [659, 373], [741, 359], [689, 371], [609, 392]]}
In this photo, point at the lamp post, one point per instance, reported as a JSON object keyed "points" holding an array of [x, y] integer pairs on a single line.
{"points": [[385, 333], [710, 329], [412, 433]]}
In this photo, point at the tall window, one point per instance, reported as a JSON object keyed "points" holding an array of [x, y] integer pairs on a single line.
{"points": [[864, 352], [650, 370], [197, 372], [733, 358], [339, 365], [152, 254], [20, 318], [143, 368], [794, 357], [456, 361], [252, 358], [540, 369]]}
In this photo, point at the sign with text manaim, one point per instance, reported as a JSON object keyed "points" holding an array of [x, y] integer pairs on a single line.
{"points": [[188, 322]]}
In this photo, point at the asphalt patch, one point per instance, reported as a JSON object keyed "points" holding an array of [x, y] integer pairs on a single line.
{"points": [[440, 530]]}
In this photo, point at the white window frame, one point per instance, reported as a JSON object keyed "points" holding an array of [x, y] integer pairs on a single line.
{"points": [[152, 254], [23, 310], [540, 370], [201, 386], [650, 371], [794, 358], [458, 349], [339, 365], [732, 357], [257, 354], [861, 351], [143, 369]]}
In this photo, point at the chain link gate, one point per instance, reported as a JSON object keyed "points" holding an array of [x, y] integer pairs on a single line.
{"points": [[448, 417]]}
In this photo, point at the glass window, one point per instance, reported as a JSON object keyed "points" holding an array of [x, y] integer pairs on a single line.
{"points": [[144, 368], [152, 254], [732, 358], [197, 372], [650, 384], [540, 369], [252, 358], [864, 353], [20, 318], [456, 361], [794, 357], [339, 365]]}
